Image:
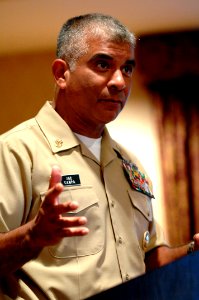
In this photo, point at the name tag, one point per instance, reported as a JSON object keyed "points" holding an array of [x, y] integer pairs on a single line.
{"points": [[69, 180]]}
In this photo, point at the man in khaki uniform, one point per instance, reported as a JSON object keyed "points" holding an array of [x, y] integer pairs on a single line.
{"points": [[92, 226]]}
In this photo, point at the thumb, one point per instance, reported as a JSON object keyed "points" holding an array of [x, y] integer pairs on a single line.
{"points": [[55, 176], [55, 188]]}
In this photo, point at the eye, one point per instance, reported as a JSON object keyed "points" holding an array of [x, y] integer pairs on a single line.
{"points": [[128, 70], [103, 65]]}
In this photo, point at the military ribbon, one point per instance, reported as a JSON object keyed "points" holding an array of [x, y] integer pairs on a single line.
{"points": [[137, 179]]}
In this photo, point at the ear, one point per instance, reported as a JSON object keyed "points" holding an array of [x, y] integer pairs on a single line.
{"points": [[60, 71]]}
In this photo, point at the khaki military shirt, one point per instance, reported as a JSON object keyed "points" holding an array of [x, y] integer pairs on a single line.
{"points": [[118, 216]]}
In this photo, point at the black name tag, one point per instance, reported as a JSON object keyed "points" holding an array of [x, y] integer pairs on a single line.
{"points": [[68, 180]]}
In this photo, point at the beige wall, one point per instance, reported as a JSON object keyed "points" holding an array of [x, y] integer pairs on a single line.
{"points": [[26, 82]]}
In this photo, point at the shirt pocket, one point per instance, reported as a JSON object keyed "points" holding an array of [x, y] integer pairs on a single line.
{"points": [[143, 213], [142, 203], [89, 207]]}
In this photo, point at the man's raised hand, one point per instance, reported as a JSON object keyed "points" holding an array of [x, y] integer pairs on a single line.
{"points": [[50, 226]]}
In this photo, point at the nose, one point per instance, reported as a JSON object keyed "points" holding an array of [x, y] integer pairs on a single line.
{"points": [[117, 81]]}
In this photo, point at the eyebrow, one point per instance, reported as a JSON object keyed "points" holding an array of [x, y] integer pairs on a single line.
{"points": [[108, 57]]}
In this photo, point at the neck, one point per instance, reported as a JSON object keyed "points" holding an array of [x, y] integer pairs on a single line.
{"points": [[77, 124], [88, 130]]}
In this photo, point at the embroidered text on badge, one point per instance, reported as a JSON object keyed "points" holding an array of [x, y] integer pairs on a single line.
{"points": [[68, 180]]}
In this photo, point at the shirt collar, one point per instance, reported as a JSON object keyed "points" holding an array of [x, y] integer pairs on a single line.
{"points": [[57, 132], [60, 137], [108, 146]]}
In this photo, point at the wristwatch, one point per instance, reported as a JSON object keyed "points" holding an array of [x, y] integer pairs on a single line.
{"points": [[190, 247]]}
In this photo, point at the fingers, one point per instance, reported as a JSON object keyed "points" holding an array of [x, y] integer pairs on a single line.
{"points": [[56, 209], [72, 226], [55, 215], [76, 231], [71, 221], [65, 207]]}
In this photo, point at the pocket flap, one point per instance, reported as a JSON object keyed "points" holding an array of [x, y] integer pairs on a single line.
{"points": [[142, 203], [85, 196]]}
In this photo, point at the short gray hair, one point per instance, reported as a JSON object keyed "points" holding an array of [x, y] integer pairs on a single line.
{"points": [[72, 39]]}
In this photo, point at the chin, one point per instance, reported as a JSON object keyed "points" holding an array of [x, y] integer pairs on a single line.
{"points": [[110, 118]]}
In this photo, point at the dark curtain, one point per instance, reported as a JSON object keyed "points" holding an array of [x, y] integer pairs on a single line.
{"points": [[169, 68], [177, 120]]}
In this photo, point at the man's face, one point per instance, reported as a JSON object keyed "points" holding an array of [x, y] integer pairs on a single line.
{"points": [[98, 88]]}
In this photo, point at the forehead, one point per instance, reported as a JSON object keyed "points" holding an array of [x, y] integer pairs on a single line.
{"points": [[102, 45]]}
